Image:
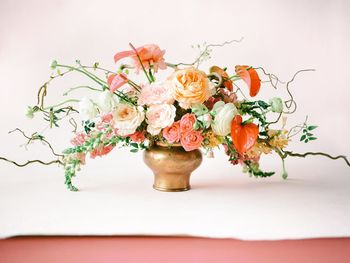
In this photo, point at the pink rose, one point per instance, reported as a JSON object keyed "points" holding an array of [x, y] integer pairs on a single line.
{"points": [[149, 55], [186, 123], [115, 81], [137, 136], [155, 93], [191, 140], [172, 133]]}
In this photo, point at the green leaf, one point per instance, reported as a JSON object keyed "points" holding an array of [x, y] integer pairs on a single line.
{"points": [[303, 138], [134, 150], [307, 140], [135, 145], [312, 127], [312, 138], [263, 104], [309, 134]]}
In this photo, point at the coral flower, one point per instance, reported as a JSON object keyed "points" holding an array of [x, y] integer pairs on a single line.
{"points": [[137, 136], [191, 140], [172, 133], [150, 55], [250, 77], [187, 122], [115, 81], [243, 136]]}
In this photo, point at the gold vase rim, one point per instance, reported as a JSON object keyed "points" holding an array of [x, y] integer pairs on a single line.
{"points": [[163, 144]]}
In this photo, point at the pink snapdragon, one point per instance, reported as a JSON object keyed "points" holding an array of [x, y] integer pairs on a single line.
{"points": [[79, 139], [100, 151]]}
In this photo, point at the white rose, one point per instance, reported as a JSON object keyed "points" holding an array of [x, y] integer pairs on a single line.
{"points": [[159, 116], [107, 101], [127, 118], [224, 115], [87, 109]]}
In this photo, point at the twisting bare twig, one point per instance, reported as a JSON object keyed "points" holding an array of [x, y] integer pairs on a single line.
{"points": [[36, 136], [272, 78], [31, 161], [289, 103], [207, 47], [288, 153]]}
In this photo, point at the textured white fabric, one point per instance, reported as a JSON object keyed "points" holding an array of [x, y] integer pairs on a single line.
{"points": [[117, 199]]}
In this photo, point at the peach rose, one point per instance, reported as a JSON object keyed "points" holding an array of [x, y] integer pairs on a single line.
{"points": [[186, 123], [172, 133], [191, 86], [191, 140]]}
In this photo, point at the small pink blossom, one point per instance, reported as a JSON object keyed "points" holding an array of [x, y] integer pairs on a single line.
{"points": [[191, 140], [155, 93], [101, 150], [149, 55], [186, 123], [115, 81], [81, 157], [172, 133], [137, 136], [79, 139]]}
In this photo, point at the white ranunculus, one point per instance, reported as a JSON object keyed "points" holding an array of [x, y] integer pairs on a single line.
{"points": [[127, 118], [159, 116], [87, 109], [222, 121], [107, 101]]}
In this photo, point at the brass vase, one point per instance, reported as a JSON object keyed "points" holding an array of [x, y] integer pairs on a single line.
{"points": [[171, 166]]}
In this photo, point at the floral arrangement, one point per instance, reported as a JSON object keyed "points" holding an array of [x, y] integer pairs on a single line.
{"points": [[191, 107]]}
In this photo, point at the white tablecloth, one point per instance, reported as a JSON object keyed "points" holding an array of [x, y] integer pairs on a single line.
{"points": [[116, 198]]}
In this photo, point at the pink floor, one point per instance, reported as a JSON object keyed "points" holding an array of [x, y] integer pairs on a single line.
{"points": [[170, 249]]}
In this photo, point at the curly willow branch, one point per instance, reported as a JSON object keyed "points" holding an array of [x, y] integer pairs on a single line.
{"points": [[288, 153], [31, 161], [291, 102], [207, 47], [35, 137]]}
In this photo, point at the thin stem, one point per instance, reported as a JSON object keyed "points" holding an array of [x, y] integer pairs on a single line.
{"points": [[140, 61], [88, 74], [62, 103], [80, 87]]}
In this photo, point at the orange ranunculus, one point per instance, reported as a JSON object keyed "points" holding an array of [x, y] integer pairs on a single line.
{"points": [[191, 86], [150, 55], [243, 136], [250, 77], [226, 82]]}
